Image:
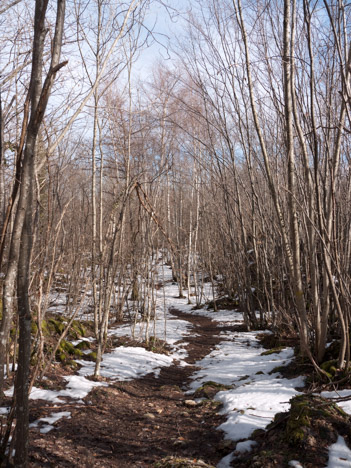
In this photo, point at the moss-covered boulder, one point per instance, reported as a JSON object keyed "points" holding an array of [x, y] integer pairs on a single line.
{"points": [[77, 330], [91, 356], [273, 351], [304, 433], [66, 351], [209, 389], [56, 325], [83, 345], [330, 367]]}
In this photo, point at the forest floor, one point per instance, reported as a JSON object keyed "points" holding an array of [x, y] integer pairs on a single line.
{"points": [[208, 393], [136, 423]]}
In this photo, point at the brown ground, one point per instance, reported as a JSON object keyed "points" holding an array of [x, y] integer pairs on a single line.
{"points": [[136, 423]]}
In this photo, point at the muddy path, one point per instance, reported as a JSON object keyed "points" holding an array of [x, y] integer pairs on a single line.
{"points": [[137, 423]]}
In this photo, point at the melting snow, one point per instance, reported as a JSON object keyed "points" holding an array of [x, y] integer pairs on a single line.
{"points": [[339, 455]]}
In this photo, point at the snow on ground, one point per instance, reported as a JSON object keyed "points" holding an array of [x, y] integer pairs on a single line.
{"points": [[173, 331], [257, 395], [238, 357], [339, 455], [253, 405], [223, 317], [127, 363], [46, 424], [295, 464], [345, 405], [77, 388]]}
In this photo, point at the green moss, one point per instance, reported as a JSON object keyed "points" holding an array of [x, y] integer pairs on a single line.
{"points": [[82, 329], [210, 388], [33, 327], [83, 345], [272, 351], [276, 369], [299, 420], [72, 364], [77, 330], [66, 351], [67, 347], [56, 326], [330, 367], [92, 356], [45, 328], [61, 356]]}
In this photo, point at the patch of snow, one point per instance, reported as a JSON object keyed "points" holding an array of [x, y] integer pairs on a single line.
{"points": [[254, 405], [223, 317], [232, 360], [345, 405], [46, 429], [47, 395], [245, 446], [9, 392], [78, 386], [226, 461], [126, 363], [90, 339], [176, 331], [50, 420], [257, 396], [295, 464], [339, 455]]}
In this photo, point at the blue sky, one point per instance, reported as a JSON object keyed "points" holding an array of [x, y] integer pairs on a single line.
{"points": [[167, 27]]}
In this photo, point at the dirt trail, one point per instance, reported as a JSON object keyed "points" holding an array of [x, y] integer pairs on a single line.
{"points": [[136, 423]]}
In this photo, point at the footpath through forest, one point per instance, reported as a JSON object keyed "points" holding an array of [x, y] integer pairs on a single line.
{"points": [[205, 402], [139, 422]]}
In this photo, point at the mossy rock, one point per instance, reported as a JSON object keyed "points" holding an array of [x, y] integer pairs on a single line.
{"points": [[77, 330], [67, 347], [83, 345], [72, 364], [61, 356], [66, 350], [33, 327], [44, 327], [306, 411], [273, 351], [299, 420], [330, 367], [277, 369], [304, 433], [56, 325], [209, 389], [91, 356]]}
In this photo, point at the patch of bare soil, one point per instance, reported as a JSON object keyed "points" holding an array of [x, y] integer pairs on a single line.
{"points": [[140, 422]]}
